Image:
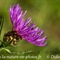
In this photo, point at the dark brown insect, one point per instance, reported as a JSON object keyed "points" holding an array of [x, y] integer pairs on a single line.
{"points": [[11, 37]]}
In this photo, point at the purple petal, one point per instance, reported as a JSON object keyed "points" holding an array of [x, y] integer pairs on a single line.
{"points": [[25, 27]]}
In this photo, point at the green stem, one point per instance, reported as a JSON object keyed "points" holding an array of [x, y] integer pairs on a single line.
{"points": [[2, 44], [1, 23]]}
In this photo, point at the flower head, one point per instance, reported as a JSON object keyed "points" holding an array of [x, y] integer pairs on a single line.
{"points": [[25, 27]]}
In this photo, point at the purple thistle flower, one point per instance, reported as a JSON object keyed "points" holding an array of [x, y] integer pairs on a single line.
{"points": [[25, 28]]}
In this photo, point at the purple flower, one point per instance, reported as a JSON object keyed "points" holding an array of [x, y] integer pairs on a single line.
{"points": [[25, 28]]}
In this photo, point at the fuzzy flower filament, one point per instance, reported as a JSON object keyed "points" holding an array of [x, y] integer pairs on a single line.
{"points": [[25, 27]]}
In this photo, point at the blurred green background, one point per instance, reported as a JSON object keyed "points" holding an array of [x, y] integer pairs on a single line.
{"points": [[46, 14]]}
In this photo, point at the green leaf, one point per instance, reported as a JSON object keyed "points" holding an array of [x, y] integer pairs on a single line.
{"points": [[1, 49], [1, 22]]}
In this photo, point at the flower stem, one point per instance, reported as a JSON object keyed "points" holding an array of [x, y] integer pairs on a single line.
{"points": [[2, 44]]}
